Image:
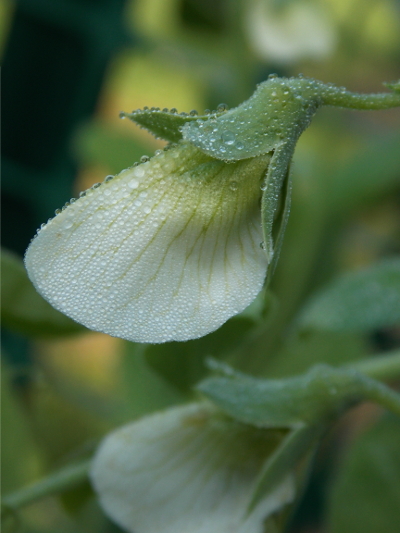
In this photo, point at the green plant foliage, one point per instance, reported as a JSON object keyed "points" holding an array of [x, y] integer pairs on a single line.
{"points": [[366, 490], [312, 398], [24, 310], [359, 301], [362, 178]]}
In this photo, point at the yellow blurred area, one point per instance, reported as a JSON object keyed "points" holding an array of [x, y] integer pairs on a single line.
{"points": [[90, 360], [137, 79]]}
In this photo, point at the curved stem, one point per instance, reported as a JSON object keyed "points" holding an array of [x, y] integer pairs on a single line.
{"points": [[335, 96], [381, 367], [54, 483]]}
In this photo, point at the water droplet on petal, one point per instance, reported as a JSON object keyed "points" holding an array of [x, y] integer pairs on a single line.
{"points": [[228, 137], [133, 184]]}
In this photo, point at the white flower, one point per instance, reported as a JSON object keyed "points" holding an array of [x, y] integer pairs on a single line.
{"points": [[167, 250], [300, 30], [188, 469]]}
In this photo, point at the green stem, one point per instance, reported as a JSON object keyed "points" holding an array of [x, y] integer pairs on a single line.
{"points": [[59, 481], [335, 96], [381, 367]]}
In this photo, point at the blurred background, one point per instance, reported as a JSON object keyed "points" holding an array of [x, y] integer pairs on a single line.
{"points": [[69, 68]]}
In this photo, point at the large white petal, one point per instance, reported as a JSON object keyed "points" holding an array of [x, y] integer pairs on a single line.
{"points": [[167, 250], [187, 469]]}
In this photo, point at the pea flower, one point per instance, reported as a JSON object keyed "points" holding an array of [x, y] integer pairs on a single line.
{"points": [[189, 468], [173, 247], [290, 31]]}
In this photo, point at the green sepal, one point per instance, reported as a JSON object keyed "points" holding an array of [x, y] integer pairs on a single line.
{"points": [[362, 301], [163, 124], [278, 112], [320, 394], [275, 205], [296, 445]]}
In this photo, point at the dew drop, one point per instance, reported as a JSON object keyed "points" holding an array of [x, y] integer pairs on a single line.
{"points": [[222, 107], [173, 110], [239, 145], [133, 184], [144, 159], [228, 137], [233, 185], [193, 113], [109, 178], [122, 114]]}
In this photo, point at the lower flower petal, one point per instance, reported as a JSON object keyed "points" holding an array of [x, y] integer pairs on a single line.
{"points": [[186, 469], [167, 250]]}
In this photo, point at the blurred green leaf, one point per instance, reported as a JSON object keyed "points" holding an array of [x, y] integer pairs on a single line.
{"points": [[372, 172], [300, 352], [23, 309], [99, 143], [366, 494], [21, 461], [358, 301], [183, 363]]}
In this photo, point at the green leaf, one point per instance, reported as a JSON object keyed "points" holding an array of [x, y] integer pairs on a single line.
{"points": [[21, 458], [312, 347], [24, 310], [370, 173], [163, 124], [366, 493], [358, 301]]}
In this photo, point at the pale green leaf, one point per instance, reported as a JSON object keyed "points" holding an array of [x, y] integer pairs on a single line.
{"points": [[358, 301], [366, 492]]}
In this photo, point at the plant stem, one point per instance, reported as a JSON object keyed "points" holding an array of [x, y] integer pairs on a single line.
{"points": [[381, 367], [335, 96], [54, 483]]}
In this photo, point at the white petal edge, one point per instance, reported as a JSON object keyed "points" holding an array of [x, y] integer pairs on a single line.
{"points": [[185, 470], [167, 250]]}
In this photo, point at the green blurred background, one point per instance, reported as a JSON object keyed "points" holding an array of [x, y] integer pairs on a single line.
{"points": [[69, 68]]}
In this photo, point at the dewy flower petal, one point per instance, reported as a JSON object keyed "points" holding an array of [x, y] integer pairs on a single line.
{"points": [[186, 469], [167, 250]]}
